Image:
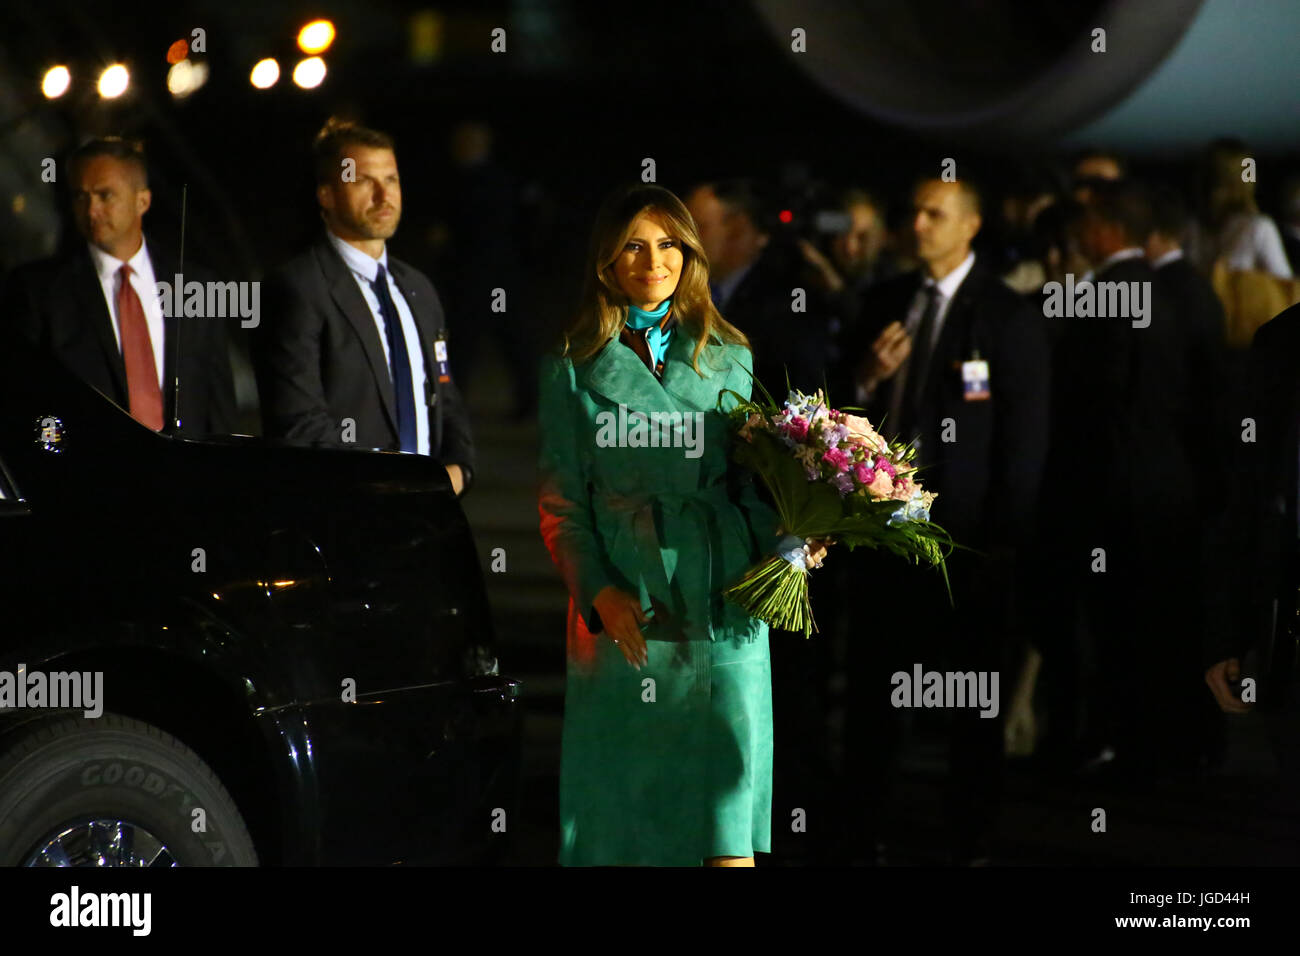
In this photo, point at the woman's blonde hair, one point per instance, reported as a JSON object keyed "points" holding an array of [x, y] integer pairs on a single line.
{"points": [[1229, 192], [602, 311]]}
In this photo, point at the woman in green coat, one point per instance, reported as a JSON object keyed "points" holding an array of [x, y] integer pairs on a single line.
{"points": [[667, 743]]}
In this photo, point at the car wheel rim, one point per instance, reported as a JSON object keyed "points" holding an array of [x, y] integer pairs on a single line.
{"points": [[102, 843]]}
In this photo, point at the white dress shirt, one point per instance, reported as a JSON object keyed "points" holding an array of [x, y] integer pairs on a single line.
{"points": [[142, 281], [1173, 255], [1130, 252], [365, 270]]}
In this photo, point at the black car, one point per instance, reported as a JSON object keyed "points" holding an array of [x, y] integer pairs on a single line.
{"points": [[295, 648]]}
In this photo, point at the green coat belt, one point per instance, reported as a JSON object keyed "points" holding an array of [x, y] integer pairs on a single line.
{"points": [[660, 513]]}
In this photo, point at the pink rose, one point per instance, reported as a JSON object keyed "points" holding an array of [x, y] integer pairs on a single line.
{"points": [[864, 473], [882, 486], [837, 458], [860, 430], [797, 428]]}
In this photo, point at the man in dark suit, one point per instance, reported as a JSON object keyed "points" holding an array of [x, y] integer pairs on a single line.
{"points": [[950, 355], [1188, 295], [354, 352], [1120, 551], [98, 311], [1188, 299], [1253, 605], [753, 281]]}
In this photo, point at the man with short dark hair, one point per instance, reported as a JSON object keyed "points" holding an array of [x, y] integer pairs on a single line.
{"points": [[354, 352], [753, 286], [951, 355], [97, 309], [1190, 300], [1095, 166], [1125, 481]]}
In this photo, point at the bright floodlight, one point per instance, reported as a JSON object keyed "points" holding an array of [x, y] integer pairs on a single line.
{"points": [[309, 72], [114, 81], [265, 74], [56, 82], [185, 77], [316, 36]]}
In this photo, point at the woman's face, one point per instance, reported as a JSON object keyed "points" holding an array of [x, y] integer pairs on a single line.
{"points": [[648, 267]]}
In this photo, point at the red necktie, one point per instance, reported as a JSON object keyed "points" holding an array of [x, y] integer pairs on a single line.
{"points": [[137, 352]]}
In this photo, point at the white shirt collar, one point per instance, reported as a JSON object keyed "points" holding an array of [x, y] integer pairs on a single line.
{"points": [[363, 264], [949, 283], [106, 266], [1132, 252], [1173, 255]]}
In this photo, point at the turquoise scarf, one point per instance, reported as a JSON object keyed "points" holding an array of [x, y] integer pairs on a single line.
{"points": [[656, 338]]}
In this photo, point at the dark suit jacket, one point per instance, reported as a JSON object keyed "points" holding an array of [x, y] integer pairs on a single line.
{"points": [[781, 339], [1121, 472], [1198, 311], [319, 359], [1253, 600], [58, 304], [1190, 302], [988, 479]]}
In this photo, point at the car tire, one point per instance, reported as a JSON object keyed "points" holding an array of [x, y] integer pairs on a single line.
{"points": [[107, 792]]}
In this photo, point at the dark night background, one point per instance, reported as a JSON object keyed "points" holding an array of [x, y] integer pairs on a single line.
{"points": [[584, 92], [579, 98]]}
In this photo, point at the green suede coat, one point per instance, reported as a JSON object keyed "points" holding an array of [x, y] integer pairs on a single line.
{"points": [[673, 763]]}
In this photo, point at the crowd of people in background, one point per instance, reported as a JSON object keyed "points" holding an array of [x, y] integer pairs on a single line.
{"points": [[1083, 470], [1085, 480]]}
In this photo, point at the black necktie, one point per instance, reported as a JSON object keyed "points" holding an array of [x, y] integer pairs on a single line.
{"points": [[399, 363], [919, 363]]}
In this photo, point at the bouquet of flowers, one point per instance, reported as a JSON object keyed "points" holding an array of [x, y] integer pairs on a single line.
{"points": [[831, 476]]}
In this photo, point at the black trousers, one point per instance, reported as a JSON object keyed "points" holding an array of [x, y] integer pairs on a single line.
{"points": [[1122, 649], [913, 623]]}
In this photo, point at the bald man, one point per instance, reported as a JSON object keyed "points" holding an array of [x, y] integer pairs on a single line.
{"points": [[949, 354]]}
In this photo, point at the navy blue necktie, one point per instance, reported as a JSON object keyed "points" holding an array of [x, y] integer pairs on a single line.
{"points": [[399, 364]]}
